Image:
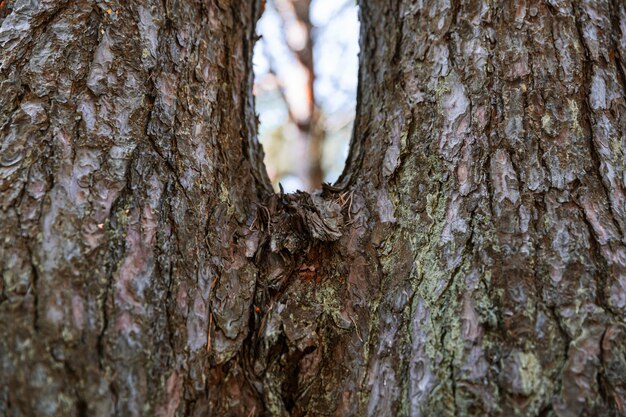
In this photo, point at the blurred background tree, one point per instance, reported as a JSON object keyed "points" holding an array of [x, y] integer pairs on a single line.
{"points": [[305, 86]]}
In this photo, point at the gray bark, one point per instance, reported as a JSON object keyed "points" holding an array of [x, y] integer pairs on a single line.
{"points": [[471, 260]]}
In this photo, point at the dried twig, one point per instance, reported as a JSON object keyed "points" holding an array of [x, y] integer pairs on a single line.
{"points": [[213, 284], [256, 215], [350, 206], [208, 333], [341, 200], [264, 319], [356, 328], [349, 222]]}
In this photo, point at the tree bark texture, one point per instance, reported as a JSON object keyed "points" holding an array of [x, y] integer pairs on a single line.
{"points": [[471, 261]]}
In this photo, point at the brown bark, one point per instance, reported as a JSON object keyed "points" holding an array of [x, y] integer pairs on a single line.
{"points": [[470, 261]]}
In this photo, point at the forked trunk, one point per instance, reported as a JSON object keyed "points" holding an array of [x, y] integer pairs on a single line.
{"points": [[471, 261]]}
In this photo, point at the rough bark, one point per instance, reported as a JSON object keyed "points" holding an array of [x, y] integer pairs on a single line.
{"points": [[126, 174], [470, 261]]}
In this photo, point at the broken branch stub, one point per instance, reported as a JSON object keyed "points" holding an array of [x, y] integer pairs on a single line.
{"points": [[299, 216]]}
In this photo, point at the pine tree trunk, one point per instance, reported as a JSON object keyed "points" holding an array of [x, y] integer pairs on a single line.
{"points": [[471, 261]]}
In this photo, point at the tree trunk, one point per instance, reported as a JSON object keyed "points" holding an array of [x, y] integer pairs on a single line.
{"points": [[471, 260]]}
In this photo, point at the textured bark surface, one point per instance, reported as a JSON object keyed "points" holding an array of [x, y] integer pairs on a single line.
{"points": [[470, 261]]}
